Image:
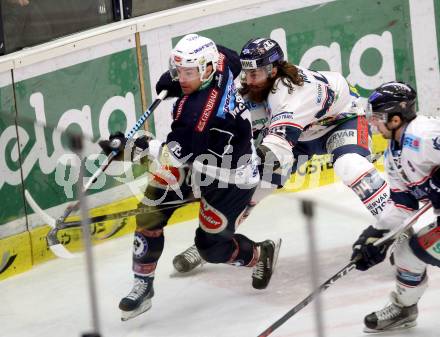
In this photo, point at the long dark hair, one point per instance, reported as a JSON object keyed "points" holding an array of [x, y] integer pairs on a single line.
{"points": [[289, 75]]}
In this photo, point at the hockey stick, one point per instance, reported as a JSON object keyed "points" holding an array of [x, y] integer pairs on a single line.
{"points": [[344, 271], [121, 215], [53, 242], [406, 225]]}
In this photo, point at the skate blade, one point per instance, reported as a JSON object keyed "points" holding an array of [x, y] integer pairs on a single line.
{"points": [[180, 271], [192, 272], [126, 315], [403, 326], [275, 254]]}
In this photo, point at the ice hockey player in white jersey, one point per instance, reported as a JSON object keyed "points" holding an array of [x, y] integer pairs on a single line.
{"points": [[297, 113], [412, 162]]}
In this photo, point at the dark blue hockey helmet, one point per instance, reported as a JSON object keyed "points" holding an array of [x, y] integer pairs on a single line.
{"points": [[260, 52], [394, 98]]}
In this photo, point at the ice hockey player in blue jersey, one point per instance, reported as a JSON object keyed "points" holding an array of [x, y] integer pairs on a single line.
{"points": [[412, 163], [208, 156], [297, 113]]}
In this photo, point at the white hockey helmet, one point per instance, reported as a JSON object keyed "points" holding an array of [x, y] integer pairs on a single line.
{"points": [[194, 51]]}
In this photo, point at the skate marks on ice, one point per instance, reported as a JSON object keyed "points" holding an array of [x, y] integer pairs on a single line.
{"points": [[291, 280]]}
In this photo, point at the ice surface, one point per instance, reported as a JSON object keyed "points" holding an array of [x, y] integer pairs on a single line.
{"points": [[218, 300]]}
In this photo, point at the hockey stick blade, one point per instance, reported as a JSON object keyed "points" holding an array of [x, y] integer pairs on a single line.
{"points": [[37, 209], [52, 241], [60, 251], [57, 248]]}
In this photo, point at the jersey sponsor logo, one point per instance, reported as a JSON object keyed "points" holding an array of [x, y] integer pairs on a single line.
{"points": [[377, 204], [240, 106], [260, 121], [211, 219], [207, 110], [319, 96], [221, 62], [362, 132], [341, 138], [436, 143], [281, 117], [411, 142], [180, 107], [218, 80]]}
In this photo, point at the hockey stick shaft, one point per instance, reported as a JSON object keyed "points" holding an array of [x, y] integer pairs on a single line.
{"points": [[344, 271], [123, 214], [406, 225], [113, 154]]}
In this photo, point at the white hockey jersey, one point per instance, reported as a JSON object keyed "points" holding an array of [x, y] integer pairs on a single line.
{"points": [[305, 113], [412, 169]]}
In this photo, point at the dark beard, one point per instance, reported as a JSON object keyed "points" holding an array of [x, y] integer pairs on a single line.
{"points": [[260, 94]]}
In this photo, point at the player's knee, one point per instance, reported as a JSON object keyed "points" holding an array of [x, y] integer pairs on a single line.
{"points": [[426, 244], [361, 176], [404, 257], [349, 167], [212, 248]]}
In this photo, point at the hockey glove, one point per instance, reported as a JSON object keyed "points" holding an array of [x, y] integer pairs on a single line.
{"points": [[117, 142], [166, 83], [433, 191], [365, 254], [269, 162]]}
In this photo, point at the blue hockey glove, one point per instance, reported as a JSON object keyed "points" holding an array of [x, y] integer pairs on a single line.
{"points": [[365, 254]]}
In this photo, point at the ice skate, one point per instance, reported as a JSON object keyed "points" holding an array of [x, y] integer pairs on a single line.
{"points": [[266, 263], [138, 300], [393, 317], [187, 260]]}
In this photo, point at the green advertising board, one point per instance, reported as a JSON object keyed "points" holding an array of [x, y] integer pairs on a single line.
{"points": [[11, 192], [368, 41], [93, 98]]}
